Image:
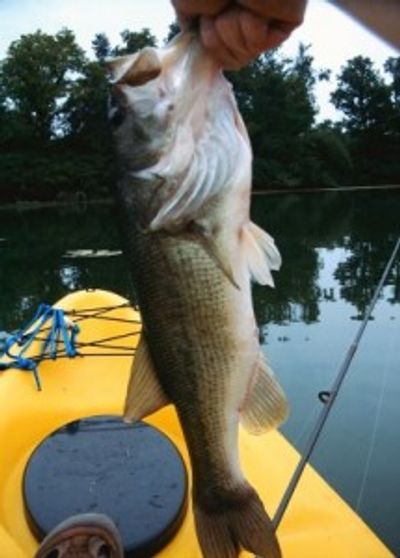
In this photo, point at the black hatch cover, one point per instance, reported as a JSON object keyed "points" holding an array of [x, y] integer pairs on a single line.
{"points": [[134, 474]]}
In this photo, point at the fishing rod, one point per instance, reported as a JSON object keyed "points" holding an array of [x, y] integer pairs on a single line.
{"points": [[330, 397]]}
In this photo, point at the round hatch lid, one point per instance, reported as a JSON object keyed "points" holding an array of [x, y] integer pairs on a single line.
{"points": [[134, 474]]}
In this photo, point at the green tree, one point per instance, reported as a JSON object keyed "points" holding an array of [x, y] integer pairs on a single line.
{"points": [[53, 116], [134, 41], [89, 139], [363, 97], [371, 119], [173, 30], [325, 157], [101, 46], [85, 108], [392, 67], [276, 98], [37, 76]]}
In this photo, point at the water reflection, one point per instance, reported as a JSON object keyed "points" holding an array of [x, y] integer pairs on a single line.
{"points": [[334, 249], [361, 271], [70, 277], [32, 267], [362, 227]]}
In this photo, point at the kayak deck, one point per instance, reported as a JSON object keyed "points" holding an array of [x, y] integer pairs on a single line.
{"points": [[317, 524]]}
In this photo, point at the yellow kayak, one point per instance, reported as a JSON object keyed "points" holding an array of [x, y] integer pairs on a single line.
{"points": [[317, 524]]}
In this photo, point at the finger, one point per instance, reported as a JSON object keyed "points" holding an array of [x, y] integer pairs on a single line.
{"points": [[196, 8], [254, 30], [260, 35], [229, 30], [288, 11], [277, 33], [215, 46]]}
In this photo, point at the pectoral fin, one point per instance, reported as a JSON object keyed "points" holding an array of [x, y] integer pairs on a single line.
{"points": [[262, 254], [144, 395], [265, 406]]}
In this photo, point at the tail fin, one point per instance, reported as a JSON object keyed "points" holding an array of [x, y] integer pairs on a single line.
{"points": [[235, 521]]}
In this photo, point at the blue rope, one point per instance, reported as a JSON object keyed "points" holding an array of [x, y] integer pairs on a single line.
{"points": [[60, 331]]}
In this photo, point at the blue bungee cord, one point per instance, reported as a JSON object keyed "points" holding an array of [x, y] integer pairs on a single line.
{"points": [[61, 330]]}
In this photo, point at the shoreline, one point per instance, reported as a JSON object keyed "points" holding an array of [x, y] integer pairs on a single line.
{"points": [[29, 205], [294, 191]]}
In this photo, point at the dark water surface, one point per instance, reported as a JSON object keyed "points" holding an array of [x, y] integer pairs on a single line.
{"points": [[334, 248]]}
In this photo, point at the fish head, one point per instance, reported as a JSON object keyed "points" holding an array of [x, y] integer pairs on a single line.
{"points": [[150, 95], [138, 108], [174, 117]]}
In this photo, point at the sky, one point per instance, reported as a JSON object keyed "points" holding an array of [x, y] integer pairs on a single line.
{"points": [[334, 37]]}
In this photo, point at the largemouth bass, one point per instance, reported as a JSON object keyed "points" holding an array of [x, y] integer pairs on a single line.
{"points": [[184, 190]]}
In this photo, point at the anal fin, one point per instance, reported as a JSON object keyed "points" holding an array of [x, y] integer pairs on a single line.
{"points": [[265, 406], [144, 395]]}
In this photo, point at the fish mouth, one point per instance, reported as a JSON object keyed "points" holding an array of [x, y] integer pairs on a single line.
{"points": [[183, 57], [132, 72]]}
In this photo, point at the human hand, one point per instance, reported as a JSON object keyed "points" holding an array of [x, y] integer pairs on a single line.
{"points": [[237, 32]]}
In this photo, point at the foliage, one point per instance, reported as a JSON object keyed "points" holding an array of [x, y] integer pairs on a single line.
{"points": [[276, 99], [371, 119], [392, 67], [54, 134], [363, 96], [173, 30], [36, 77], [101, 47], [134, 41]]}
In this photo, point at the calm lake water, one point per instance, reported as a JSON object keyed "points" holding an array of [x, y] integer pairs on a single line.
{"points": [[334, 248]]}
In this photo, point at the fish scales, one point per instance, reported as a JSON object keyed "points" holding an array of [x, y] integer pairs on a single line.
{"points": [[189, 335], [187, 332], [184, 193]]}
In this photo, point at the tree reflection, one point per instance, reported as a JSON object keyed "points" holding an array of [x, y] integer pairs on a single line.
{"points": [[365, 225], [295, 299], [359, 275], [394, 280], [33, 269], [374, 232]]}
